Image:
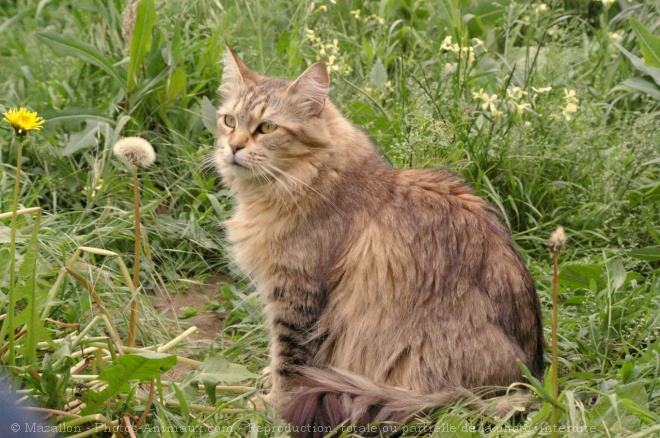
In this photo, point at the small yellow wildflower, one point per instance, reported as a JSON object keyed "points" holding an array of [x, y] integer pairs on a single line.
{"points": [[515, 92], [488, 101], [541, 90], [571, 103], [356, 14], [98, 186], [476, 42], [608, 3], [23, 120], [569, 95], [448, 45], [520, 107], [495, 113], [569, 110], [541, 8]]}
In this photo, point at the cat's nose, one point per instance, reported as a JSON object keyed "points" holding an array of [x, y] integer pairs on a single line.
{"points": [[235, 147]]}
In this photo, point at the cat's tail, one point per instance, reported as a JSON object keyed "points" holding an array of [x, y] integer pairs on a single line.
{"points": [[330, 398]]}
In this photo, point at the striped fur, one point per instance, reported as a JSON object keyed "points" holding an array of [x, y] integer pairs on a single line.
{"points": [[403, 282]]}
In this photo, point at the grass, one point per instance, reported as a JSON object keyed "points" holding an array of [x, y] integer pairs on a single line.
{"points": [[582, 155]]}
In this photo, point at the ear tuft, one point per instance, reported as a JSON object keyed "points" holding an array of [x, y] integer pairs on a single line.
{"points": [[311, 87], [235, 72]]}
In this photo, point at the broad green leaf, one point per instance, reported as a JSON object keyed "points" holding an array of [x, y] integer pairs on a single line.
{"points": [[35, 295], [75, 115], [4, 263], [650, 253], [84, 139], [216, 369], [176, 83], [649, 44], [65, 45], [645, 85], [283, 42], [141, 40], [617, 273], [139, 366], [378, 75], [215, 204], [208, 114], [575, 276], [627, 369], [639, 64]]}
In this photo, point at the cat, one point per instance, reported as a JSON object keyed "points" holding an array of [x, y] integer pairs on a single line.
{"points": [[386, 291]]}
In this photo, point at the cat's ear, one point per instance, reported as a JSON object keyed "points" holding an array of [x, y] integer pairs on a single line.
{"points": [[235, 72], [311, 87]]}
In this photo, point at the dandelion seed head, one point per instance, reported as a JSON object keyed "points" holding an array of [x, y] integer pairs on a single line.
{"points": [[557, 240], [135, 150]]}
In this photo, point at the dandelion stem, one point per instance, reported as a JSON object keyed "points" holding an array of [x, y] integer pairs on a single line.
{"points": [[132, 327], [555, 354], [8, 323]]}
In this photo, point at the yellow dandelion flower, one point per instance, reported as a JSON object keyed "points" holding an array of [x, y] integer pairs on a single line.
{"points": [[23, 120]]}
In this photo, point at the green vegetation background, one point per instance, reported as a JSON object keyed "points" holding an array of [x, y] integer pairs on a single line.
{"points": [[583, 154]]}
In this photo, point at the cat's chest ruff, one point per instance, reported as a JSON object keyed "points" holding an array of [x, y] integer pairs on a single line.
{"points": [[258, 239]]}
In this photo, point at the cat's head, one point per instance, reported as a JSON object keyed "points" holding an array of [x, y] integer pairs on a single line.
{"points": [[265, 125]]}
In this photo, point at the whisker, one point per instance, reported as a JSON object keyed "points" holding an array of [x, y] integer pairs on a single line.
{"points": [[263, 172], [285, 186], [293, 178]]}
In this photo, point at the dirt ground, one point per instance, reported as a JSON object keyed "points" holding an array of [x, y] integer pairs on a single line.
{"points": [[208, 322]]}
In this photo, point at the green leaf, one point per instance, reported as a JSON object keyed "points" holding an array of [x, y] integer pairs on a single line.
{"points": [[643, 84], [639, 64], [649, 44], [84, 139], [650, 253], [75, 115], [378, 75], [216, 369], [627, 369], [5, 259], [581, 276], [141, 40], [617, 273], [139, 366], [208, 115], [29, 317], [64, 45], [183, 403], [215, 204]]}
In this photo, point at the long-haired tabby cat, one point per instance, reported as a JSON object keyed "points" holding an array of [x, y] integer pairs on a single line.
{"points": [[386, 291]]}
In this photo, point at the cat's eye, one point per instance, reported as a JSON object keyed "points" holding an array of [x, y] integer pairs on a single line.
{"points": [[266, 128], [230, 121]]}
